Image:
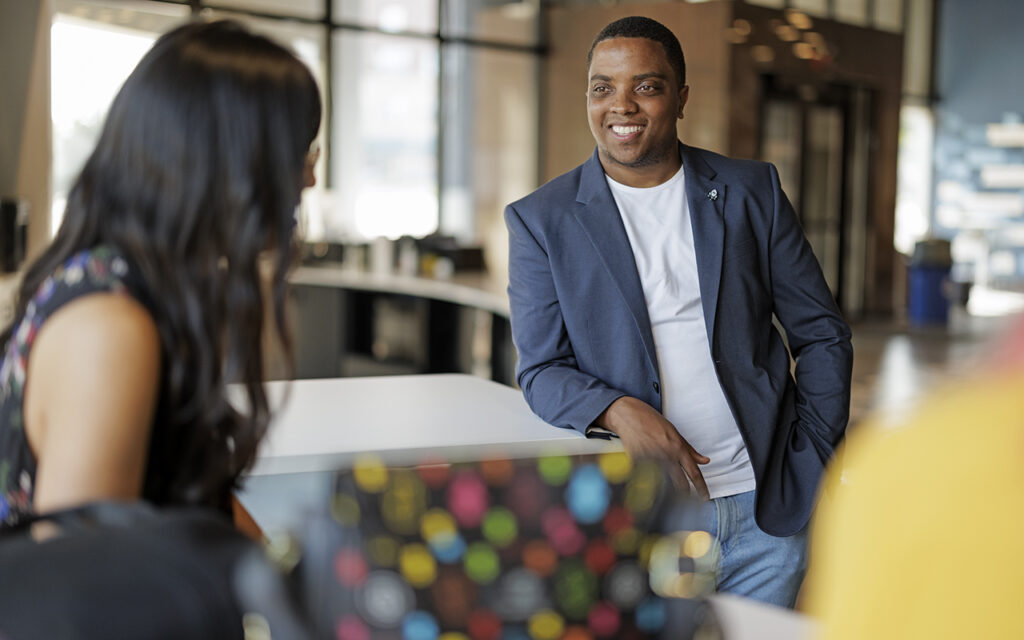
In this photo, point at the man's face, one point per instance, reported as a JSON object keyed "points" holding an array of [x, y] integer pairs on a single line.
{"points": [[633, 101]]}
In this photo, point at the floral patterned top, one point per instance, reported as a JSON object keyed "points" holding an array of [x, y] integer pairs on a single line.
{"points": [[99, 270]]}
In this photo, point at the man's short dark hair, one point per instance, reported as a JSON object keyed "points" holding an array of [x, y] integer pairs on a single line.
{"points": [[641, 27]]}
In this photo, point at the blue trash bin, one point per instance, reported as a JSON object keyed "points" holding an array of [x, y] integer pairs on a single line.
{"points": [[929, 271]]}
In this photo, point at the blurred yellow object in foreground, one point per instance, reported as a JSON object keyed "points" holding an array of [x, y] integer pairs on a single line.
{"points": [[921, 530]]}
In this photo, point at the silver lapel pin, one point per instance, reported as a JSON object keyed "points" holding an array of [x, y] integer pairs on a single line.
{"points": [[713, 194]]}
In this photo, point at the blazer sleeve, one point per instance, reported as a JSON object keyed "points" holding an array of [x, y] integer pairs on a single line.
{"points": [[818, 337], [547, 369]]}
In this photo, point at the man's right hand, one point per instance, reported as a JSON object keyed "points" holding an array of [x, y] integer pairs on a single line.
{"points": [[645, 433]]}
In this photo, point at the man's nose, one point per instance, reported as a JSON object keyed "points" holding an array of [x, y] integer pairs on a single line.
{"points": [[623, 103]]}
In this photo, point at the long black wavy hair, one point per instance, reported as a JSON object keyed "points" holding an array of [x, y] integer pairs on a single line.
{"points": [[196, 175]]}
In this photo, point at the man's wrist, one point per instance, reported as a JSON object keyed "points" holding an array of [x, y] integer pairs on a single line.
{"points": [[611, 419]]}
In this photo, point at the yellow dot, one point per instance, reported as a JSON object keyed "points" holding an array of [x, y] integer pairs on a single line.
{"points": [[417, 565], [546, 625], [452, 635], [370, 473], [642, 488], [403, 503], [626, 541], [697, 544], [345, 509], [643, 554], [436, 522], [616, 467]]}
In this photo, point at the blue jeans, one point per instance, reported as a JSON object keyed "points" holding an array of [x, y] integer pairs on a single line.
{"points": [[750, 562]]}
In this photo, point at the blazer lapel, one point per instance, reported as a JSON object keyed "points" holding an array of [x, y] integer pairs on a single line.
{"points": [[706, 199], [601, 222]]}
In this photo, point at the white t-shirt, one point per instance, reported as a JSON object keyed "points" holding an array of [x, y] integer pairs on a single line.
{"points": [[657, 221]]}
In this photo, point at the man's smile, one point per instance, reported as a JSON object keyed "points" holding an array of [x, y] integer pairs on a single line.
{"points": [[627, 131]]}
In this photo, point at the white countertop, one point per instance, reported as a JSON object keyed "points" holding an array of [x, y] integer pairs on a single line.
{"points": [[324, 423], [471, 289]]}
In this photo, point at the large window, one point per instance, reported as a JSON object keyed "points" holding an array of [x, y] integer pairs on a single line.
{"points": [[431, 120], [115, 35], [489, 147], [385, 134]]}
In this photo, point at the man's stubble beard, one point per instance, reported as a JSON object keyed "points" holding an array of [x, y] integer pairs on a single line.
{"points": [[649, 159]]}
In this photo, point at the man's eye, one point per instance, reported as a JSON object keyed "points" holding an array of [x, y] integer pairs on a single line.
{"points": [[646, 88], [600, 89]]}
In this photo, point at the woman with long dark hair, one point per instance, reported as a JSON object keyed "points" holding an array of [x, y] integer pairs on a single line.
{"points": [[149, 302]]}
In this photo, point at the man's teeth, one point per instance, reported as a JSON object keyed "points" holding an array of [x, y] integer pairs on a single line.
{"points": [[622, 131]]}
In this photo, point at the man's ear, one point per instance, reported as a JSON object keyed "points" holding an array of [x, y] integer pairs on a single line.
{"points": [[684, 93]]}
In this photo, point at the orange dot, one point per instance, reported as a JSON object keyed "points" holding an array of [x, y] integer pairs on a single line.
{"points": [[540, 558], [599, 556], [434, 475], [484, 625], [577, 632], [617, 519], [497, 473]]}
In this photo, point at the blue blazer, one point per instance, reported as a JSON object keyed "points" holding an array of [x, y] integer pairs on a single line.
{"points": [[580, 324]]}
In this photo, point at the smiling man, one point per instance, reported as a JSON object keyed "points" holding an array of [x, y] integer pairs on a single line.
{"points": [[643, 286]]}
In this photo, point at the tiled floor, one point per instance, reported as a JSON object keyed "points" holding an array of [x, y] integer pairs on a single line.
{"points": [[895, 364]]}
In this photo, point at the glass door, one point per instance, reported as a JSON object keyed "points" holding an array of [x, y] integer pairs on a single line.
{"points": [[816, 138]]}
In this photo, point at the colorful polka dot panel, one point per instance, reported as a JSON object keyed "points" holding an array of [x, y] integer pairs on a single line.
{"points": [[550, 548]]}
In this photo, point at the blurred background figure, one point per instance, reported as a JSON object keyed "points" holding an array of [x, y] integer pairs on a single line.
{"points": [[919, 530], [148, 302]]}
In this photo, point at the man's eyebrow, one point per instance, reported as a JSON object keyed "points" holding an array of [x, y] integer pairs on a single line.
{"points": [[636, 78]]}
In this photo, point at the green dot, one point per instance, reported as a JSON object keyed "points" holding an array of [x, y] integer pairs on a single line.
{"points": [[555, 470], [481, 563], [500, 527], [576, 589], [345, 509], [383, 551]]}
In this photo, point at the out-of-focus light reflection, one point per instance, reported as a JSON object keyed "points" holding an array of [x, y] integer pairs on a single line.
{"points": [[799, 19], [762, 53], [732, 36], [815, 39], [697, 544], [786, 33], [803, 51]]}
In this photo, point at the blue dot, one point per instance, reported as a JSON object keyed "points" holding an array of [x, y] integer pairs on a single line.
{"points": [[448, 548], [588, 494], [650, 614], [419, 625]]}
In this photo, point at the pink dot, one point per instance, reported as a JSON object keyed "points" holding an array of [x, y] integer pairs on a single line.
{"points": [[350, 567], [467, 499], [562, 532], [351, 628], [603, 619], [554, 519]]}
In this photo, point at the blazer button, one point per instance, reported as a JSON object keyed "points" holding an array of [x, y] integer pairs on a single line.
{"points": [[657, 388]]}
